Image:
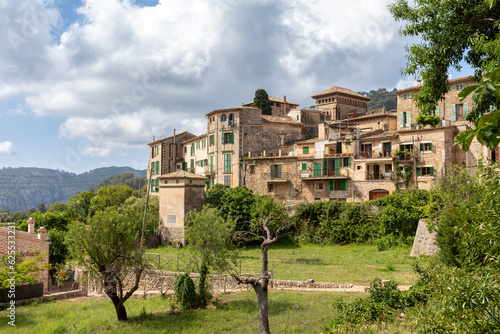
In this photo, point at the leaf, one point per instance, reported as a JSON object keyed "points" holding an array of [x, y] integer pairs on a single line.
{"points": [[464, 139], [491, 118], [467, 90]]}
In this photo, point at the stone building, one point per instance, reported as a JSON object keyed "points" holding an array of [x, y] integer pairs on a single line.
{"points": [[340, 102], [180, 193], [27, 244], [280, 107], [164, 156], [195, 155]]}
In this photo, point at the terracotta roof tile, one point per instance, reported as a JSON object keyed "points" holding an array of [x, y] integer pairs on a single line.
{"points": [[341, 90], [181, 174]]}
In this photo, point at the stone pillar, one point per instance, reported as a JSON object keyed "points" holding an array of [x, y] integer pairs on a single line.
{"points": [[425, 241]]}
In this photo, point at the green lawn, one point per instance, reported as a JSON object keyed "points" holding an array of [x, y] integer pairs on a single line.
{"points": [[356, 264], [290, 312]]}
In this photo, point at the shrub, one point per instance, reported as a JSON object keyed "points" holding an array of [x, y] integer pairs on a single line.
{"points": [[185, 292]]}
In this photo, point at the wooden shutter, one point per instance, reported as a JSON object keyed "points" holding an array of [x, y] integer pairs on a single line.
{"points": [[153, 168], [409, 96], [408, 120], [401, 119], [223, 142], [349, 162], [453, 87], [338, 164], [418, 171], [325, 167], [231, 138], [339, 147], [421, 147], [331, 185], [304, 166], [431, 171], [279, 172], [436, 111], [453, 113], [272, 171], [430, 146], [466, 109], [343, 185]]}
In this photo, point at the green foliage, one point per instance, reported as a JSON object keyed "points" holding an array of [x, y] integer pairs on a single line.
{"points": [[203, 289], [25, 270], [122, 179], [56, 207], [261, 101], [381, 98], [209, 238], [185, 292], [58, 249], [110, 196], [333, 223], [80, 203], [432, 120]]}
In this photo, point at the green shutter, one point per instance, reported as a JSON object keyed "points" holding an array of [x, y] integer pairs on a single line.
{"points": [[297, 117], [409, 96], [421, 147], [157, 168], [401, 119], [453, 87], [436, 112], [223, 142], [338, 164], [185, 149], [408, 120], [342, 185], [153, 168], [184, 166], [157, 149], [339, 147], [453, 113], [325, 167], [418, 171], [430, 146], [279, 172], [431, 170], [305, 150], [211, 163], [304, 166], [231, 138], [272, 171], [401, 97], [317, 169], [331, 185], [401, 147], [466, 109], [349, 162]]}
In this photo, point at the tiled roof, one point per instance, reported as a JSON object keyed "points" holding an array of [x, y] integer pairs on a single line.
{"points": [[195, 138], [229, 110], [274, 99], [280, 119], [181, 174], [340, 90], [177, 135], [309, 141], [385, 134]]}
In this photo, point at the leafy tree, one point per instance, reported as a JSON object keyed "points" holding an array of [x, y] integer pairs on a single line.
{"points": [[261, 101], [451, 32], [381, 98], [109, 248], [25, 270], [41, 208], [80, 203], [110, 196], [56, 207]]}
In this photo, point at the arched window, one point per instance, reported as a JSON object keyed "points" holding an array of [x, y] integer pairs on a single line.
{"points": [[231, 119], [223, 118]]}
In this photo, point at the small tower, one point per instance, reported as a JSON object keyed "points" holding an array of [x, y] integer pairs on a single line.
{"points": [[31, 225], [180, 192]]}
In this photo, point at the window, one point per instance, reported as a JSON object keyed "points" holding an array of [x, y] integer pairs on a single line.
{"points": [[366, 150], [211, 140], [319, 185], [388, 168], [404, 119], [459, 111], [305, 150], [192, 149], [276, 171], [252, 169], [231, 119], [346, 162], [153, 168], [227, 163], [227, 138], [436, 112], [425, 171], [270, 187], [425, 147], [157, 168], [223, 118], [317, 169], [184, 166], [211, 164], [192, 163], [281, 140], [304, 166], [336, 185], [185, 149], [179, 167], [227, 180]]}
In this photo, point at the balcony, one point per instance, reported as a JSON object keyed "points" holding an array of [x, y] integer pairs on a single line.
{"points": [[408, 156], [209, 170], [386, 176]]}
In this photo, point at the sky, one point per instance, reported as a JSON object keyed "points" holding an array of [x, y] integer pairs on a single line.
{"points": [[88, 84]]}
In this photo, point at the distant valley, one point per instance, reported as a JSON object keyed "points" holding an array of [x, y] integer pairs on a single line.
{"points": [[22, 188]]}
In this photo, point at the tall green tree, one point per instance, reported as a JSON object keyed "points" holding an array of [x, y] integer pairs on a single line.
{"points": [[261, 101]]}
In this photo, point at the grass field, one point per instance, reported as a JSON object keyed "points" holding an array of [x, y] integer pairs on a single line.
{"points": [[356, 264], [290, 312]]}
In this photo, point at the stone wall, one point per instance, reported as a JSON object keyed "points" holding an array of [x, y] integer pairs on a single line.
{"points": [[425, 241], [27, 245]]}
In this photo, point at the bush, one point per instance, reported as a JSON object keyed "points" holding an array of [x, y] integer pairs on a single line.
{"points": [[185, 292]]}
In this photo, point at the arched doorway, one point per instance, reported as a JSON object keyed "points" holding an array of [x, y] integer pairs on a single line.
{"points": [[378, 193]]}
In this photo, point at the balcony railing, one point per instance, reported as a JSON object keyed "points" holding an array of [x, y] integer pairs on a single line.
{"points": [[379, 175]]}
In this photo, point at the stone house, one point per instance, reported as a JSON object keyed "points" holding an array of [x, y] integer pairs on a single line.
{"points": [[27, 244], [195, 155], [340, 102], [280, 107], [164, 156]]}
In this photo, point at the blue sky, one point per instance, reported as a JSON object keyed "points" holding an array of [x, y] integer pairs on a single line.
{"points": [[87, 84]]}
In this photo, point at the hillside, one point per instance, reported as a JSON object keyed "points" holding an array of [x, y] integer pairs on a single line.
{"points": [[382, 97], [26, 187]]}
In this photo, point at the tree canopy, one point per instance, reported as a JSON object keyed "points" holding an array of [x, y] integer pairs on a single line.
{"points": [[261, 101]]}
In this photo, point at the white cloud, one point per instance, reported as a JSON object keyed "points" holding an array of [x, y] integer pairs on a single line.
{"points": [[7, 147], [92, 151]]}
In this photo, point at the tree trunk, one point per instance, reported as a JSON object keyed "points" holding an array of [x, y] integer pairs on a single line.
{"points": [[110, 289], [261, 291]]}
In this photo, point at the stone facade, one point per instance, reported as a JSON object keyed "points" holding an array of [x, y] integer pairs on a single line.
{"points": [[340, 102], [195, 155], [27, 244], [180, 193], [425, 241], [164, 156]]}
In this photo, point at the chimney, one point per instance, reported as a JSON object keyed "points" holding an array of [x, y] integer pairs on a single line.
{"points": [[31, 225], [42, 233], [285, 110]]}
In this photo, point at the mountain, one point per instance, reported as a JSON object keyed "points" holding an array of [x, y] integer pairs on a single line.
{"points": [[122, 179], [26, 187], [382, 97]]}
